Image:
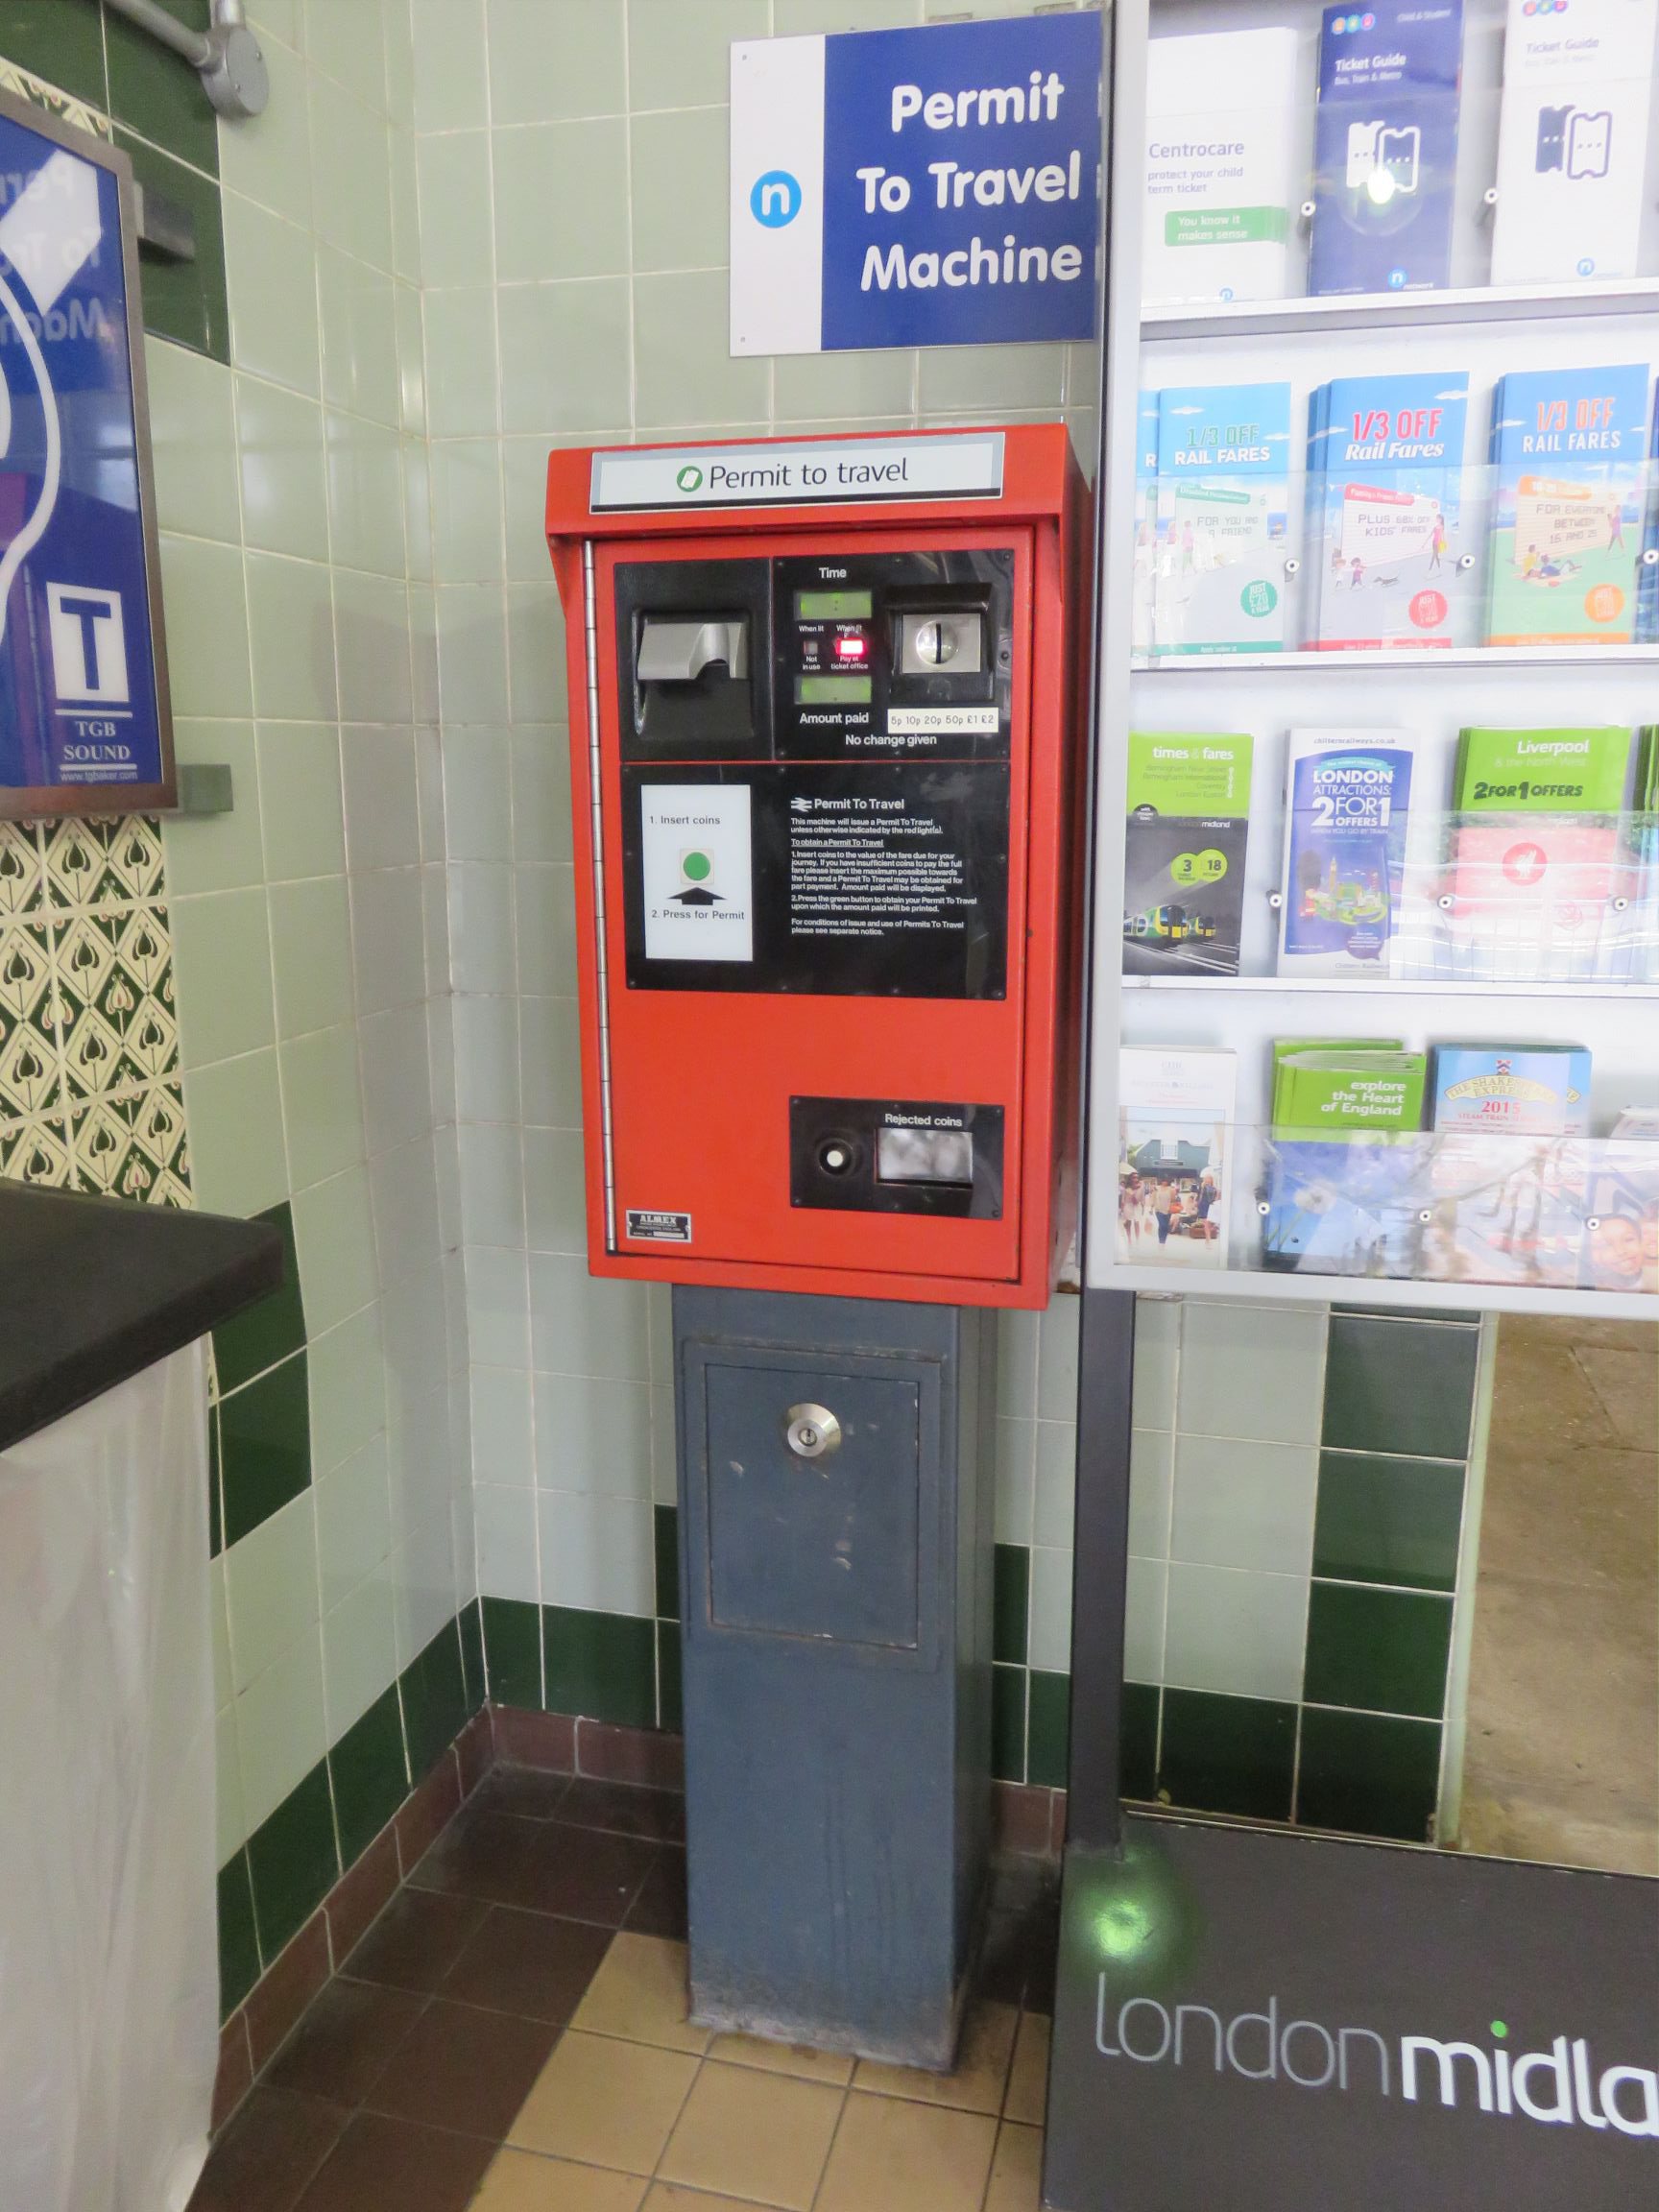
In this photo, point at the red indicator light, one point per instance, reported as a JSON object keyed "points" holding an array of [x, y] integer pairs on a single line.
{"points": [[851, 648]]}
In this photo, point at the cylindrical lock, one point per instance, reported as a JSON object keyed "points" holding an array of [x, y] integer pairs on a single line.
{"points": [[811, 1432]]}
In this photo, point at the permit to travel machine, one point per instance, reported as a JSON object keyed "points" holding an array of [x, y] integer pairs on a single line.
{"points": [[824, 697]]}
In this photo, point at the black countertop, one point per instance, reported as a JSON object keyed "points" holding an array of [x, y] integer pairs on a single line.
{"points": [[94, 1289]]}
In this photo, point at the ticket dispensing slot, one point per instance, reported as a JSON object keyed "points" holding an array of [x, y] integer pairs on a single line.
{"points": [[691, 636]]}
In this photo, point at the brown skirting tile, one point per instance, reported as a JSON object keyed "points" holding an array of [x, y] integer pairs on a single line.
{"points": [[422, 1817], [544, 1740], [280, 1995], [1027, 1820], [236, 2076], [475, 1751], [615, 1754], [361, 1895]]}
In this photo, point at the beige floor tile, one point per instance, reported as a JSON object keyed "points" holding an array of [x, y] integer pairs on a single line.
{"points": [[1015, 2170], [760, 2136], [670, 2196], [1027, 2097], [981, 2067], [891, 2155], [832, 2066], [605, 2103], [639, 1994], [518, 2182]]}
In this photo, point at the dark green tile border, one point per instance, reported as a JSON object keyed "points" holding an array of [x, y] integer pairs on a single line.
{"points": [[433, 1688], [470, 1624], [513, 1651], [1138, 1745], [602, 1666], [184, 300], [61, 40], [1233, 1755], [1367, 1775], [1011, 1605], [294, 1861], [1008, 1723], [215, 1487], [670, 1679], [157, 93], [269, 1888], [1391, 1521], [1401, 1386], [370, 1771], [1378, 1650], [1047, 1729], [238, 1938], [265, 1445], [665, 1539], [270, 1332]]}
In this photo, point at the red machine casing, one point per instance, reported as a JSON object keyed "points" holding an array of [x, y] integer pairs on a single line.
{"points": [[686, 1093]]}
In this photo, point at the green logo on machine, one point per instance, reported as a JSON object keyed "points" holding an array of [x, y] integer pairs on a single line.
{"points": [[696, 866], [689, 478]]}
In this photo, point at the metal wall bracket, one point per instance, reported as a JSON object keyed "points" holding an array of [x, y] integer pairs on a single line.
{"points": [[205, 787], [226, 56], [165, 229]]}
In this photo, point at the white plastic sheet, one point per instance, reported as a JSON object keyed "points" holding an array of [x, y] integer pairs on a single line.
{"points": [[108, 1971]]}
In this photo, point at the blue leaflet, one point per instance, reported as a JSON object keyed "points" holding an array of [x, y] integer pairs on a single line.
{"points": [[1385, 148]]}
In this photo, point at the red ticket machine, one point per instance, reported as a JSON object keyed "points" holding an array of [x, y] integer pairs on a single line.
{"points": [[825, 738]]}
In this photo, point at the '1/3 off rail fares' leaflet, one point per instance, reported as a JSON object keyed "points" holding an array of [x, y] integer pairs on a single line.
{"points": [[1568, 454], [1384, 499]]}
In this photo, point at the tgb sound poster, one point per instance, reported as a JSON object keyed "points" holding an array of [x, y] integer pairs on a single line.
{"points": [[938, 186], [83, 717]]}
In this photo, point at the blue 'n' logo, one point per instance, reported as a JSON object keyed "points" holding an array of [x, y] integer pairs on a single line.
{"points": [[775, 199]]}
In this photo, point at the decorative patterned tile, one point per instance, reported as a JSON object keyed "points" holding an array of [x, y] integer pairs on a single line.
{"points": [[89, 1090], [133, 1147], [22, 869], [35, 1152]]}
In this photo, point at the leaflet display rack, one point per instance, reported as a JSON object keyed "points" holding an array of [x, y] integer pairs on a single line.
{"points": [[1254, 615], [1293, 1034]]}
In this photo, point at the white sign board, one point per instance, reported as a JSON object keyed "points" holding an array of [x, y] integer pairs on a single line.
{"points": [[819, 469]]}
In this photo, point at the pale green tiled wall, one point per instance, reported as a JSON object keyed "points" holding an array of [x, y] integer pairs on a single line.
{"points": [[311, 922], [571, 159]]}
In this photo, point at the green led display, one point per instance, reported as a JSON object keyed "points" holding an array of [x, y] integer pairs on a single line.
{"points": [[834, 606], [833, 690]]}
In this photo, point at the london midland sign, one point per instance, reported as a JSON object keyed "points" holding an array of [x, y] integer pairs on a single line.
{"points": [[1254, 2020], [1562, 2085]]}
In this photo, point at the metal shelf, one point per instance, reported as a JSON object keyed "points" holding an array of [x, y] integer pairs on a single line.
{"points": [[1392, 986], [1395, 310], [1466, 1301], [1426, 661]]}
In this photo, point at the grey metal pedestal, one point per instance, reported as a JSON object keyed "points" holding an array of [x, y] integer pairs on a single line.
{"points": [[835, 1567]]}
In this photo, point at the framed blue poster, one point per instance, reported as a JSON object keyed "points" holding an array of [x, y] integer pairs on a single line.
{"points": [[85, 721]]}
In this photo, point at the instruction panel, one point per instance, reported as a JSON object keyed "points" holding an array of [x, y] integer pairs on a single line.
{"points": [[873, 878]]}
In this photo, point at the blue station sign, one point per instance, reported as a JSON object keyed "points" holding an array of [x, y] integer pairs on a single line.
{"points": [[83, 717], [937, 186]]}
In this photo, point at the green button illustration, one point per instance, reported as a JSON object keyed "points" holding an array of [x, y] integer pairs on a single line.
{"points": [[696, 867]]}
